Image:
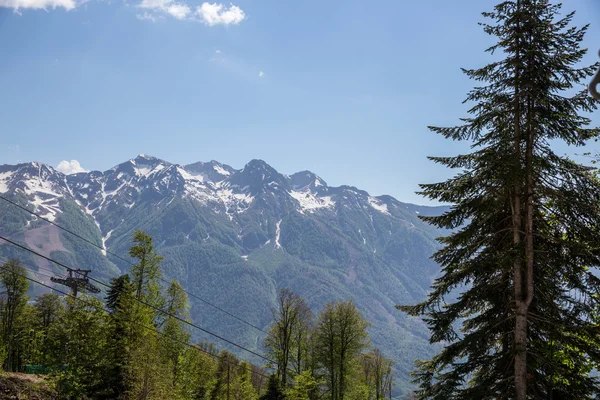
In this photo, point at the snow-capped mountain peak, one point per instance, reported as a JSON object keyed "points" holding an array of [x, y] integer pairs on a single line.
{"points": [[156, 182], [304, 179], [259, 177], [212, 170], [40, 183]]}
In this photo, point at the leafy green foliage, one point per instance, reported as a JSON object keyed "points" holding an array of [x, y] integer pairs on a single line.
{"points": [[125, 349], [12, 277], [305, 388]]}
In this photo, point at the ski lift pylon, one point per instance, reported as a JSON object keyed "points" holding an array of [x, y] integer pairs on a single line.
{"points": [[77, 279]]}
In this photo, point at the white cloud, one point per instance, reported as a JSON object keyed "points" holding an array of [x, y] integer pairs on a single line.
{"points": [[209, 13], [70, 167], [218, 51], [38, 4], [179, 11], [176, 10], [215, 14], [154, 4], [261, 74]]}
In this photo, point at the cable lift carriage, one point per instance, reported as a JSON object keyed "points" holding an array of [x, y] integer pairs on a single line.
{"points": [[76, 280]]}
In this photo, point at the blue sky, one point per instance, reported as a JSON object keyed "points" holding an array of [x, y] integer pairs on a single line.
{"points": [[343, 88]]}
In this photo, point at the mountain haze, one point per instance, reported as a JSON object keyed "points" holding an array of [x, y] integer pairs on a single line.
{"points": [[234, 237]]}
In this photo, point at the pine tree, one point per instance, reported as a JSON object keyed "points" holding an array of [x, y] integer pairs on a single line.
{"points": [[274, 391], [226, 377], [245, 389], [527, 221], [146, 273], [148, 376], [120, 302], [120, 288], [173, 343], [138, 368]]}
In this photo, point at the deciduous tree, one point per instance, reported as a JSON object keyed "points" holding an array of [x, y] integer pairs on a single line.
{"points": [[14, 290]]}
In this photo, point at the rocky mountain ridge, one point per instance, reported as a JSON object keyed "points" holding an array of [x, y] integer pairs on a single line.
{"points": [[235, 237]]}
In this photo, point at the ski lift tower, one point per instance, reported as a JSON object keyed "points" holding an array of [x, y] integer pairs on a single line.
{"points": [[77, 280]]}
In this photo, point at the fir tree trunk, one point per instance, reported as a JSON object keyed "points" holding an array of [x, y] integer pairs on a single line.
{"points": [[520, 282], [520, 338]]}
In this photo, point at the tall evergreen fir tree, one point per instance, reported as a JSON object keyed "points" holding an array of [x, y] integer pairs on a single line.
{"points": [[119, 301], [175, 334], [527, 222], [274, 391], [245, 389], [146, 273]]}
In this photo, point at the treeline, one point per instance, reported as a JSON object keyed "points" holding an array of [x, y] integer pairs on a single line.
{"points": [[136, 344]]}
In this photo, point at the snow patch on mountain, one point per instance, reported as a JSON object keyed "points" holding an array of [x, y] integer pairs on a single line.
{"points": [[104, 239], [277, 235], [191, 177], [379, 205], [39, 184], [230, 198], [4, 180], [310, 202], [234, 202], [147, 169], [221, 170], [48, 207], [362, 236]]}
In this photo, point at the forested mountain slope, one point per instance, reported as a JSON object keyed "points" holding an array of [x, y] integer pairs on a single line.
{"points": [[233, 237]]}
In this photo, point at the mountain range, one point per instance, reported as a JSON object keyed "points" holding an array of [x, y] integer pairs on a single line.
{"points": [[234, 237]]}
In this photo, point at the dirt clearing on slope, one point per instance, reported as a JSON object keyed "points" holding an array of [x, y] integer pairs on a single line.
{"points": [[18, 386]]}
